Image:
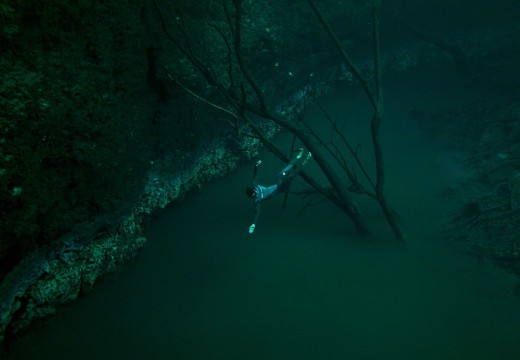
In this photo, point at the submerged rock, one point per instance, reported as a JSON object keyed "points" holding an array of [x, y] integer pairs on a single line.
{"points": [[53, 276]]}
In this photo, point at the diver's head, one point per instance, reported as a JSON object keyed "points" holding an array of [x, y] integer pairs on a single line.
{"points": [[250, 191]]}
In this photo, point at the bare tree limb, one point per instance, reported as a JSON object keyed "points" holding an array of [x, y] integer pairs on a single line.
{"points": [[353, 68], [245, 97]]}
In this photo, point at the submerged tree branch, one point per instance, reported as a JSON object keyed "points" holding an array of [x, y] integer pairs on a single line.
{"points": [[376, 100], [238, 98], [353, 68]]}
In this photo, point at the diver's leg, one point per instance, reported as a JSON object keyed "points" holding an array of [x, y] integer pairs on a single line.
{"points": [[307, 158], [287, 169], [292, 169], [290, 172]]}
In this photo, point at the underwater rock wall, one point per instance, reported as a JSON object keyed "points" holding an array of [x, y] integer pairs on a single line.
{"points": [[483, 207], [57, 275], [75, 114]]}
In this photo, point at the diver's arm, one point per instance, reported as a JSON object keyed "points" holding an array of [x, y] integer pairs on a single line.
{"points": [[257, 215], [255, 171], [257, 203]]}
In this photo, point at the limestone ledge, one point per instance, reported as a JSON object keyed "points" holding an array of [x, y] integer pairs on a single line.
{"points": [[59, 274]]}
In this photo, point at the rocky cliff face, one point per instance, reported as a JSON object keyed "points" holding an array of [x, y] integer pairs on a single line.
{"points": [[58, 273], [75, 115], [92, 141]]}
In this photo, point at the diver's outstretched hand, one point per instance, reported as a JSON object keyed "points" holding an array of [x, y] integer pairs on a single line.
{"points": [[252, 228]]}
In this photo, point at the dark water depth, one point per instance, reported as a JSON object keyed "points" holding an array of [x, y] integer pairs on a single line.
{"points": [[303, 286]]}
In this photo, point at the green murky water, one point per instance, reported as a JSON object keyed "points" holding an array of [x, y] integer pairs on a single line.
{"points": [[304, 286]]}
